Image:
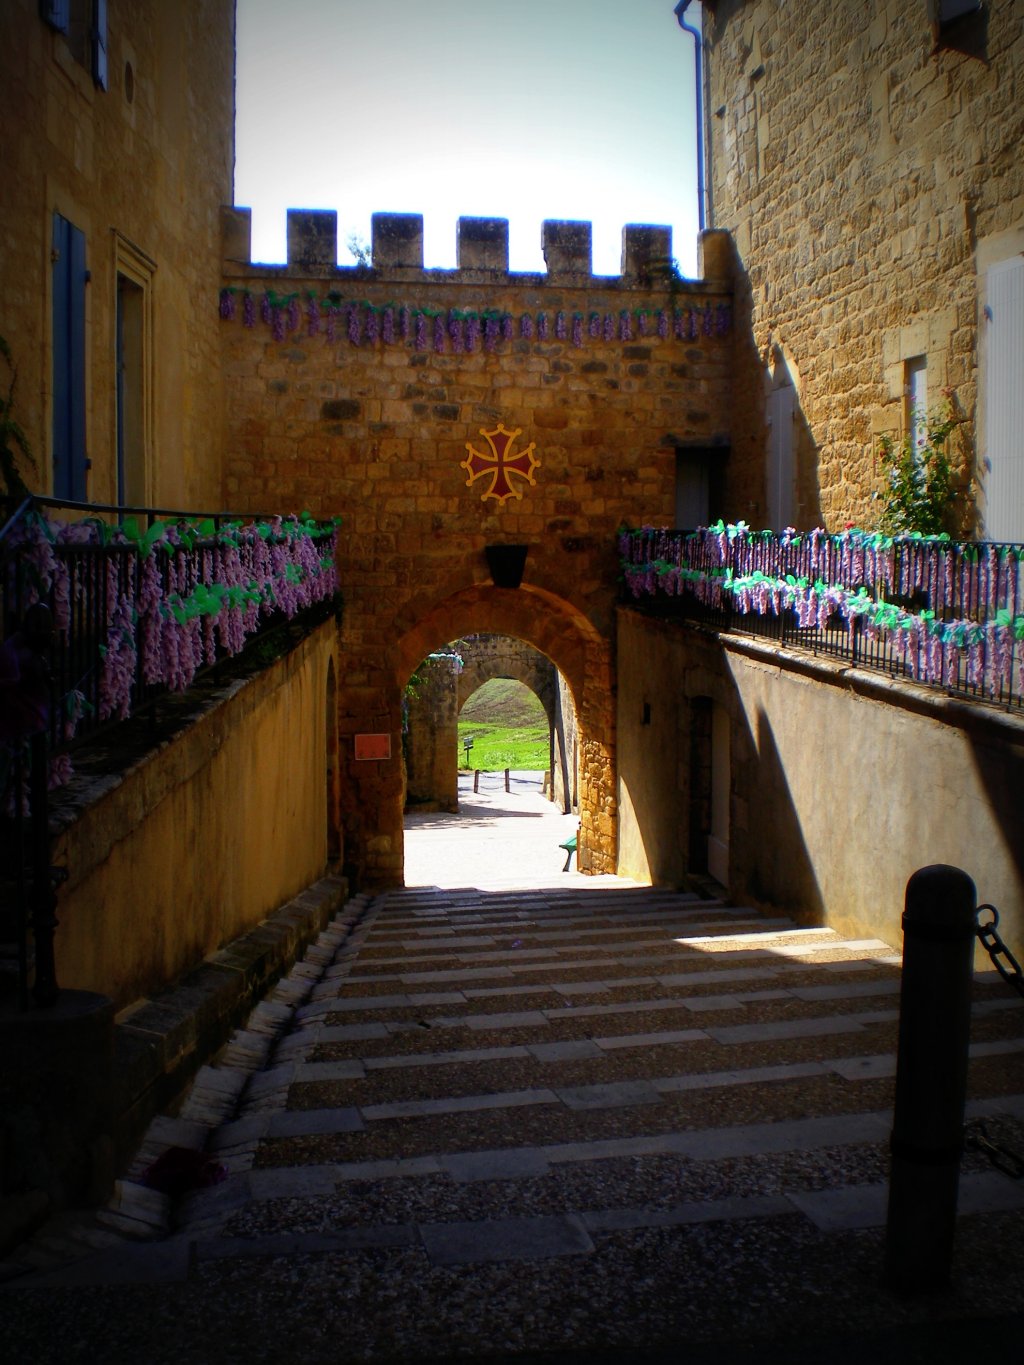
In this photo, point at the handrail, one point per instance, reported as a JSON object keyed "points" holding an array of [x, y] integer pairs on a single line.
{"points": [[943, 613], [98, 622]]}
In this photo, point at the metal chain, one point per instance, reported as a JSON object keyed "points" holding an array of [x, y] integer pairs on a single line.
{"points": [[1002, 959], [976, 1139]]}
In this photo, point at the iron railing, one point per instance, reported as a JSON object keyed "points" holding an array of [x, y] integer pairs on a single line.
{"points": [[943, 613], [125, 585], [100, 617]]}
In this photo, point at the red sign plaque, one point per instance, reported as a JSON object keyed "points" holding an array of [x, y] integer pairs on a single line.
{"points": [[373, 746]]}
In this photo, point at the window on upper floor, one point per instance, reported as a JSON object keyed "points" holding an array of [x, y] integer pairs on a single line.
{"points": [[84, 26], [915, 392], [960, 25]]}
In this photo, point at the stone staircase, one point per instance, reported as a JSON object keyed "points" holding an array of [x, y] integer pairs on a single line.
{"points": [[608, 1118]]}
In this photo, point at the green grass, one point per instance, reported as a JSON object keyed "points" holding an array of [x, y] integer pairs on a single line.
{"points": [[508, 727]]}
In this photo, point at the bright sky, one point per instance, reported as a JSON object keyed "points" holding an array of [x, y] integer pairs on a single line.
{"points": [[517, 109]]}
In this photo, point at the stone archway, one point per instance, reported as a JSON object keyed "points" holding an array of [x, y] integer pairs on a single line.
{"points": [[374, 796]]}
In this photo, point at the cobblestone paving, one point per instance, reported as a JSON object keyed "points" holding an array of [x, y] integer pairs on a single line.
{"points": [[551, 1123]]}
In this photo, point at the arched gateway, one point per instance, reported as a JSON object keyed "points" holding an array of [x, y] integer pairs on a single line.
{"points": [[372, 799]]}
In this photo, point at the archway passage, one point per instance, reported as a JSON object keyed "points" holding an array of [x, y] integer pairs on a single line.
{"points": [[520, 687], [374, 796]]}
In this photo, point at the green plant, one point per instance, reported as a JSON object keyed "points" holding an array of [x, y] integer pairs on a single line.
{"points": [[13, 442], [918, 491]]}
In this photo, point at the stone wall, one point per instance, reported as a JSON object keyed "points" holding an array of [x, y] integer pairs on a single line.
{"points": [[868, 165], [141, 168], [382, 411], [430, 742], [840, 784], [197, 841]]}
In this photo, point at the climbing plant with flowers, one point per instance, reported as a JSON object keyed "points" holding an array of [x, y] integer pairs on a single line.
{"points": [[140, 610], [951, 613], [459, 330]]}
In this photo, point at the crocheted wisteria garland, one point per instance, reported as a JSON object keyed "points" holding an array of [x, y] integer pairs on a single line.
{"points": [[176, 597], [974, 616], [461, 329]]}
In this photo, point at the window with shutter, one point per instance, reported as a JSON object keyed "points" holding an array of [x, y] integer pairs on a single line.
{"points": [[68, 344], [84, 26], [56, 13]]}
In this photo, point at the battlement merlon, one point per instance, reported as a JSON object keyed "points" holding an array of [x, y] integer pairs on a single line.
{"points": [[481, 247]]}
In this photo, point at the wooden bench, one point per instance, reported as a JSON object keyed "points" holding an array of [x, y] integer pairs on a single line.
{"points": [[570, 849]]}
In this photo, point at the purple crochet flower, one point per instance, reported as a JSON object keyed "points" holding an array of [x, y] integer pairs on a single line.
{"points": [[277, 321], [472, 332], [387, 330], [662, 324], [405, 323], [420, 339], [455, 331], [609, 327], [577, 329], [492, 331], [265, 308], [332, 322], [594, 326], [625, 326], [526, 326], [542, 326], [560, 326], [249, 310], [508, 327], [294, 315], [312, 316], [352, 322], [372, 326], [641, 324], [227, 303], [439, 333]]}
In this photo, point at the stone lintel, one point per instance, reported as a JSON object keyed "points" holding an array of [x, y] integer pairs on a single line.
{"points": [[566, 246], [313, 238], [397, 240], [646, 253], [482, 244], [236, 234]]}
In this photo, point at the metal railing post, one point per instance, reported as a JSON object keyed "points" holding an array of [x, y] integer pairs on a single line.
{"points": [[931, 1077]]}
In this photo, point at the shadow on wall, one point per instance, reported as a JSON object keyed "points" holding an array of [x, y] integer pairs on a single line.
{"points": [[772, 474], [1002, 776], [781, 872], [791, 455]]}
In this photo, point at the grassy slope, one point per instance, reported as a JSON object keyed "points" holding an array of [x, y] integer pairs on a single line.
{"points": [[508, 726]]}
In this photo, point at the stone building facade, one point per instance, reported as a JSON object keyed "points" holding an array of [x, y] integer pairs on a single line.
{"points": [[866, 159], [118, 152], [442, 414]]}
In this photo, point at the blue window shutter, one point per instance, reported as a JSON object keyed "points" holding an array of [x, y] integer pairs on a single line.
{"points": [[56, 13], [69, 278], [99, 43]]}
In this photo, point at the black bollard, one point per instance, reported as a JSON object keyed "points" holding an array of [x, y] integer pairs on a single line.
{"points": [[931, 1077]]}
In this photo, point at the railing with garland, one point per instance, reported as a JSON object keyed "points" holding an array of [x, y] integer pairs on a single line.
{"points": [[103, 615], [143, 601], [945, 613]]}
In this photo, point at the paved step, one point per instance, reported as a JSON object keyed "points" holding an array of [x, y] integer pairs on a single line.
{"points": [[551, 1101]]}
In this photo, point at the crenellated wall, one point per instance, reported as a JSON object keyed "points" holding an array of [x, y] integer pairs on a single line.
{"points": [[388, 393]]}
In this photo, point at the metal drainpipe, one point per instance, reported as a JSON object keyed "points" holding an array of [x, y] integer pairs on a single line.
{"points": [[680, 10]]}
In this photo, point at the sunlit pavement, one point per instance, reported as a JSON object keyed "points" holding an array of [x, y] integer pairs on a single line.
{"points": [[498, 840]]}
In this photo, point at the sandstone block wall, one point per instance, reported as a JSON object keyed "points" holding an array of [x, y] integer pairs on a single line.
{"points": [[142, 169], [357, 392], [866, 163]]}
